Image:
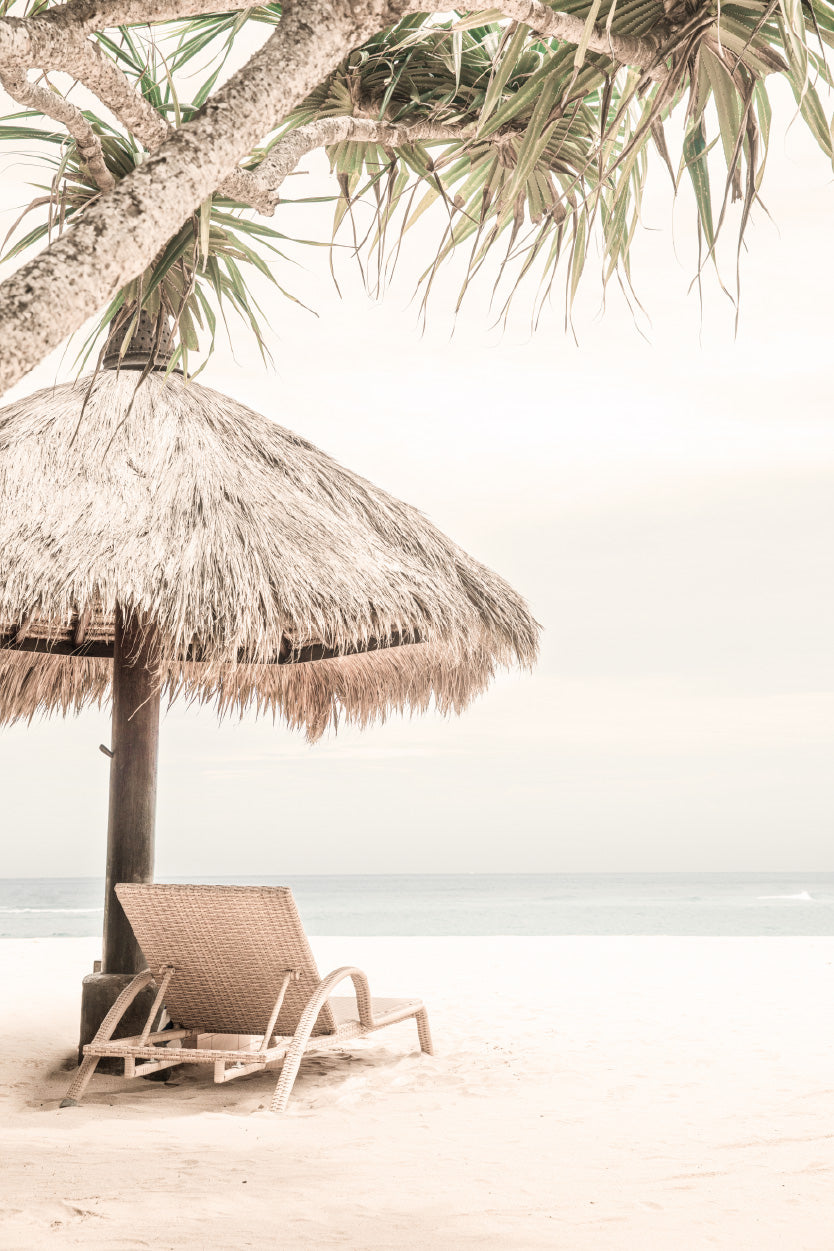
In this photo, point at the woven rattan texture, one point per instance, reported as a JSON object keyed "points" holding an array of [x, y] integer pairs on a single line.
{"points": [[230, 946]]}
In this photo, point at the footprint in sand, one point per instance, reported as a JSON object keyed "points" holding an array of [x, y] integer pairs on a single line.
{"points": [[79, 1208]]}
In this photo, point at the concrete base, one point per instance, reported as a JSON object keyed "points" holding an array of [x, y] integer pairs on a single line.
{"points": [[99, 991]]}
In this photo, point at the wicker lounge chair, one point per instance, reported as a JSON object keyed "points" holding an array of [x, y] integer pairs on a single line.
{"points": [[234, 960]]}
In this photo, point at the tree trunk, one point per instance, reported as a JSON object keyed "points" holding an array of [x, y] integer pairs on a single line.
{"points": [[132, 814]]}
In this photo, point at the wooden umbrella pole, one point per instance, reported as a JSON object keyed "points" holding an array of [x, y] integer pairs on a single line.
{"points": [[133, 767]]}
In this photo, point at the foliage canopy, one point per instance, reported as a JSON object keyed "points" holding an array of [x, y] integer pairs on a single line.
{"points": [[548, 157]]}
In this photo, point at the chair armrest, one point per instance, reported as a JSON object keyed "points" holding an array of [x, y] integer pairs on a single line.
{"points": [[323, 992], [105, 1031]]}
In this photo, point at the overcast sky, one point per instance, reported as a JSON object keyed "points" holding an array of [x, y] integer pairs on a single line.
{"points": [[665, 506]]}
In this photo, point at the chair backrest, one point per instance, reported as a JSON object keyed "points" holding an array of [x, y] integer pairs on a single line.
{"points": [[231, 947]]}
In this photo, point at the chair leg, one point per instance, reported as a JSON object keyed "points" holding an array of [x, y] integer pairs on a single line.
{"points": [[105, 1032], [289, 1070], [424, 1032], [79, 1083]]}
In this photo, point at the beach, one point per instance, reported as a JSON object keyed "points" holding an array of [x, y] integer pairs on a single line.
{"points": [[587, 1092]]}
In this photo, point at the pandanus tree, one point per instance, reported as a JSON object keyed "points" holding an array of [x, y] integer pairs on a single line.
{"points": [[528, 124]]}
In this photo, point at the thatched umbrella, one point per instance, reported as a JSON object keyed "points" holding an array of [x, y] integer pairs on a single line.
{"points": [[161, 540]]}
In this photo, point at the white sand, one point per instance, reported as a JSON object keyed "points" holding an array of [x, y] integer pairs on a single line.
{"points": [[627, 1093]]}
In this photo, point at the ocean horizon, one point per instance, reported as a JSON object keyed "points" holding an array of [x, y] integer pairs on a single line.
{"points": [[679, 904]]}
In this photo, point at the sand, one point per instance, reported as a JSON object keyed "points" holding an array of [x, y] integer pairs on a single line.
{"points": [[627, 1093]]}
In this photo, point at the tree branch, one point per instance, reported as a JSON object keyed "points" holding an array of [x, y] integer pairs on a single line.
{"points": [[259, 187], [87, 62], [53, 104], [642, 53], [117, 236], [36, 43], [74, 54], [90, 15]]}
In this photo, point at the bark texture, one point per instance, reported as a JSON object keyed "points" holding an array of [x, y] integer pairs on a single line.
{"points": [[115, 238], [641, 53], [37, 43], [261, 189], [53, 104], [87, 62], [90, 15]]}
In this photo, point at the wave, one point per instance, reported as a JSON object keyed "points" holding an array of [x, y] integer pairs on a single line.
{"points": [[18, 911], [803, 896]]}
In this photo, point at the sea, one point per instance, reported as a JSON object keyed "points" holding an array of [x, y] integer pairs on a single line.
{"points": [[720, 904]]}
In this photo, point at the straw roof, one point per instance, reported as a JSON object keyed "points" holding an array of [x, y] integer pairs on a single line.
{"points": [[274, 577]]}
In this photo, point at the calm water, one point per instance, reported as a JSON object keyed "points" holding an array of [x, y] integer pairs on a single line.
{"points": [[717, 904]]}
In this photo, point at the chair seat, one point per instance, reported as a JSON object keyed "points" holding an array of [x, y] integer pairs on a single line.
{"points": [[385, 1011]]}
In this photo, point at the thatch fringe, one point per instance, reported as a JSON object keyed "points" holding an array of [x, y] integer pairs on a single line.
{"points": [[353, 690], [235, 537]]}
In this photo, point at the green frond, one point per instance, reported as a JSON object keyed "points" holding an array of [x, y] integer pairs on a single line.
{"points": [[555, 155]]}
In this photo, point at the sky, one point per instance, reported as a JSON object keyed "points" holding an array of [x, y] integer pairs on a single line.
{"points": [[663, 496]]}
